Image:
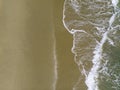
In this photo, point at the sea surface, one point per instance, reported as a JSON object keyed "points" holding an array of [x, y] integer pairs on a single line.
{"points": [[95, 27], [59, 45]]}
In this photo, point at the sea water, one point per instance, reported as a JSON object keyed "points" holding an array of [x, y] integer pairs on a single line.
{"points": [[95, 26]]}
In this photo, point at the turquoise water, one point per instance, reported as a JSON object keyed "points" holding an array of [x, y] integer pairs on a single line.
{"points": [[95, 27]]}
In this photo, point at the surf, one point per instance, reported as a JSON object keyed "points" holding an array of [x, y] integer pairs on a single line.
{"points": [[99, 16]]}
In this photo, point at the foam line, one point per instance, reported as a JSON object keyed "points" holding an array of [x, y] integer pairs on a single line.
{"points": [[55, 61], [92, 79], [64, 18], [55, 69]]}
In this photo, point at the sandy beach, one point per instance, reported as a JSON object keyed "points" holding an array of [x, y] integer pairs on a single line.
{"points": [[26, 45]]}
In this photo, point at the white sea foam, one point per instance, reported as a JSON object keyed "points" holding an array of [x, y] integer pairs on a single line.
{"points": [[55, 62], [55, 69], [64, 16], [112, 19], [91, 80], [92, 77], [115, 2]]}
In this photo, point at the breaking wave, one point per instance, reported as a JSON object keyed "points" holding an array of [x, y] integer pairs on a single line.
{"points": [[95, 27]]}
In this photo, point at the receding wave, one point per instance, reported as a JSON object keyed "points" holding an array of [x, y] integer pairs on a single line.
{"points": [[95, 26]]}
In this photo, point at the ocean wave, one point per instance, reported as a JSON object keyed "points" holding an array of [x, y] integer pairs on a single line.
{"points": [[95, 27]]}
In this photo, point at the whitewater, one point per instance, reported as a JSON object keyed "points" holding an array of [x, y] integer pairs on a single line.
{"points": [[93, 24]]}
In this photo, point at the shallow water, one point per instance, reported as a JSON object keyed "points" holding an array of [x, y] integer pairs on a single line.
{"points": [[95, 27]]}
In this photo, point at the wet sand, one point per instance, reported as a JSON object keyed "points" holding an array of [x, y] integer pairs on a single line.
{"points": [[68, 72], [26, 45]]}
